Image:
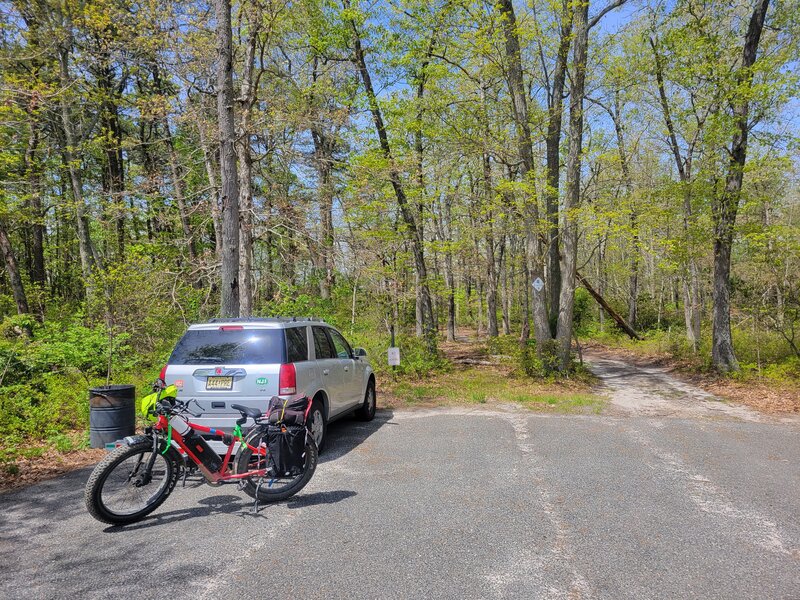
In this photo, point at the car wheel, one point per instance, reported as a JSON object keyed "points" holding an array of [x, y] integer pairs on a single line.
{"points": [[367, 410], [316, 424]]}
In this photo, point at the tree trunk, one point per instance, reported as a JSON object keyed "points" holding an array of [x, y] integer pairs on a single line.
{"points": [[601, 278], [419, 313], [246, 225], [417, 243], [229, 305], [268, 275], [209, 155], [691, 302], [491, 288], [451, 296], [635, 251], [33, 174], [449, 275], [552, 144], [491, 264], [323, 152], [506, 295], [176, 173], [84, 240], [526, 294], [247, 97], [691, 280], [726, 206], [114, 165], [607, 307], [569, 240], [518, 92], [633, 279], [17, 289], [178, 188]]}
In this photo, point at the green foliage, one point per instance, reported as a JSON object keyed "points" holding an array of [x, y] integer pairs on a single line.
{"points": [[544, 363], [503, 345], [582, 310], [525, 359], [415, 360]]}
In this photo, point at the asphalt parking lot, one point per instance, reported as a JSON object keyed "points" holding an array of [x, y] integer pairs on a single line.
{"points": [[451, 503]]}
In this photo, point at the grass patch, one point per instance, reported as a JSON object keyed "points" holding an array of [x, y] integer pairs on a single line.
{"points": [[483, 386]]}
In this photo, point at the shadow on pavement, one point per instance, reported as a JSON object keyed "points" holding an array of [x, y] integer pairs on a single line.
{"points": [[302, 501], [29, 511], [228, 504], [347, 434]]}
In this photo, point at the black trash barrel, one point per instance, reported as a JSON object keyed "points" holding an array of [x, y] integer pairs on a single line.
{"points": [[112, 414]]}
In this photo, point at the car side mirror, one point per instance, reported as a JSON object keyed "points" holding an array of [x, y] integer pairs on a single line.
{"points": [[359, 353]]}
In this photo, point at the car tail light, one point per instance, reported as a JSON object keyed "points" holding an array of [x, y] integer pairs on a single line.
{"points": [[287, 380], [163, 373], [231, 328]]}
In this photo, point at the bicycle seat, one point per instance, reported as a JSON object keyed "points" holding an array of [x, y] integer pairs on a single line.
{"points": [[246, 411]]}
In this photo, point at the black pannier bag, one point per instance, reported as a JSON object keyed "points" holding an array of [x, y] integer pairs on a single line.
{"points": [[287, 449], [288, 412]]}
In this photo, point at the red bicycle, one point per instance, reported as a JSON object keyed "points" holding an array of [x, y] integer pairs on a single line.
{"points": [[273, 462]]}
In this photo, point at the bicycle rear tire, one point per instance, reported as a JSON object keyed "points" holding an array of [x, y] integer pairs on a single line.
{"points": [[272, 489]]}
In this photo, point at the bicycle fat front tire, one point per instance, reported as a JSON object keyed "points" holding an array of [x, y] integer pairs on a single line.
{"points": [[116, 495], [272, 489]]}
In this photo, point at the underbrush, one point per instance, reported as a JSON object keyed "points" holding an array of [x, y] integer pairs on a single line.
{"points": [[46, 371], [525, 361]]}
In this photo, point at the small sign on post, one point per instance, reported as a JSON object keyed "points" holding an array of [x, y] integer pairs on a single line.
{"points": [[538, 284], [394, 356]]}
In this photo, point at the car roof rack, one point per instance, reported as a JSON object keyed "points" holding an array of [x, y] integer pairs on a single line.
{"points": [[265, 319]]}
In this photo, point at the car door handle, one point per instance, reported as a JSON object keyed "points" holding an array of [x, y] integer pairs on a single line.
{"points": [[325, 371]]}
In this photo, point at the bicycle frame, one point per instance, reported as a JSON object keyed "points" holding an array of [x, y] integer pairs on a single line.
{"points": [[220, 476]]}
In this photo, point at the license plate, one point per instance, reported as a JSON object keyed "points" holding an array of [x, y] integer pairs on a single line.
{"points": [[219, 383]]}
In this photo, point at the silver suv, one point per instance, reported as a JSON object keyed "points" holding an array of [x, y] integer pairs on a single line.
{"points": [[247, 361]]}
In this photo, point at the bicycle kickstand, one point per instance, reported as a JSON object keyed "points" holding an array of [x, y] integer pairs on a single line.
{"points": [[258, 491]]}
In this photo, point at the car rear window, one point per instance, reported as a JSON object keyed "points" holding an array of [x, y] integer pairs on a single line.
{"points": [[238, 346], [296, 344]]}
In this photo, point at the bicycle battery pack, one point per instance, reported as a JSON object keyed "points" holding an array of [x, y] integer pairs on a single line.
{"points": [[204, 453]]}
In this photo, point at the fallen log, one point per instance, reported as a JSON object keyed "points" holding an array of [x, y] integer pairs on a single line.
{"points": [[623, 324]]}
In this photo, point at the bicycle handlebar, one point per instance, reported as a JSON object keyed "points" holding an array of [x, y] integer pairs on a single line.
{"points": [[173, 406]]}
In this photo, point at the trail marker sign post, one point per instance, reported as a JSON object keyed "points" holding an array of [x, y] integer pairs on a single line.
{"points": [[538, 284], [394, 356]]}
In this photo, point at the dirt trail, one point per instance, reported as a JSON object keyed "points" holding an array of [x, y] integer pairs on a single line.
{"points": [[652, 391]]}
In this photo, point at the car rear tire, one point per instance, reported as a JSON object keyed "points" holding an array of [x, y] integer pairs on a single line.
{"points": [[367, 410], [317, 424]]}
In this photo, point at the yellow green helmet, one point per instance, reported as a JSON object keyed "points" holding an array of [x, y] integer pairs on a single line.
{"points": [[148, 403]]}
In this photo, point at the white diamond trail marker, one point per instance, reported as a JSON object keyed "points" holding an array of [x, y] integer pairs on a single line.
{"points": [[538, 284]]}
